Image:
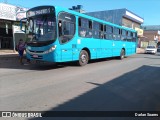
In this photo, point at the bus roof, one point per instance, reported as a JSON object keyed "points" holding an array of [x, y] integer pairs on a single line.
{"points": [[87, 16], [93, 18]]}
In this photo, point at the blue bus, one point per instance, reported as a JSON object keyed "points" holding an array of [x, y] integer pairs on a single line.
{"points": [[57, 34]]}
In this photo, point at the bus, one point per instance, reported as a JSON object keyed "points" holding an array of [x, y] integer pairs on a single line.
{"points": [[57, 34]]}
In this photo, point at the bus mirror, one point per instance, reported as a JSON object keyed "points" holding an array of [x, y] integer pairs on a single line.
{"points": [[22, 26]]}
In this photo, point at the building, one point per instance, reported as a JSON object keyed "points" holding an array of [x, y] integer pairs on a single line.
{"points": [[10, 16], [152, 35], [78, 8], [122, 17]]}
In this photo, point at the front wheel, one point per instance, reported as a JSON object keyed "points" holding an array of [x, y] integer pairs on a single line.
{"points": [[122, 54], [83, 58]]}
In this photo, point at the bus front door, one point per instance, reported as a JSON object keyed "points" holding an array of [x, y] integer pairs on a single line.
{"points": [[66, 52]]}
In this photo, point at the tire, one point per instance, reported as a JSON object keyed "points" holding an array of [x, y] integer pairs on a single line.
{"points": [[83, 58], [122, 54]]}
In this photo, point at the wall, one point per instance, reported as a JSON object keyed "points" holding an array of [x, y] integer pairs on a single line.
{"points": [[113, 16], [6, 34]]}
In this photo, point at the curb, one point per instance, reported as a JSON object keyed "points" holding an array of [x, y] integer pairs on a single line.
{"points": [[9, 57]]}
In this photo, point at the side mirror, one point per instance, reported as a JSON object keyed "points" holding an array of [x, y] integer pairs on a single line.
{"points": [[23, 28]]}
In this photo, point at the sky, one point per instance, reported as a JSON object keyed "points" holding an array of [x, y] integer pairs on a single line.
{"points": [[146, 9]]}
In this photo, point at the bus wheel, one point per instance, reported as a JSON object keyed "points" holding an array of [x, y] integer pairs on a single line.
{"points": [[83, 58], [122, 54]]}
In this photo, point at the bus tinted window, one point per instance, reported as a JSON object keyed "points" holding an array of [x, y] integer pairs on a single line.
{"points": [[85, 27], [129, 36], [134, 37], [66, 26], [97, 30], [123, 36], [108, 32], [117, 33], [109, 29], [105, 32], [123, 32]]}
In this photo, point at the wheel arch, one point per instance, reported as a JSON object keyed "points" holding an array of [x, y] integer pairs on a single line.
{"points": [[88, 51], [124, 50]]}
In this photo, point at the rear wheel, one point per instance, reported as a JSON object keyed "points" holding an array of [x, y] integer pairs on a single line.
{"points": [[83, 58], [122, 54]]}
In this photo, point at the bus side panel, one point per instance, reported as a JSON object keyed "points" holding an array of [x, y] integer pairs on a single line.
{"points": [[130, 48], [106, 48], [91, 44], [94, 46], [133, 47], [117, 46]]}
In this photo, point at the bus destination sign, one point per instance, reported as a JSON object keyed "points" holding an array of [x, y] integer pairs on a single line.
{"points": [[42, 11]]}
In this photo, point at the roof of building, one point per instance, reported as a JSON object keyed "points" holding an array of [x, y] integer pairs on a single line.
{"points": [[122, 12], [151, 27]]}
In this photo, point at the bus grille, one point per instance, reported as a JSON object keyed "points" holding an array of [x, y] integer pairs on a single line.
{"points": [[36, 51], [38, 57]]}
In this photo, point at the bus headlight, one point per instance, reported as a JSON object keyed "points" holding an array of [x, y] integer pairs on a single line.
{"points": [[50, 50]]}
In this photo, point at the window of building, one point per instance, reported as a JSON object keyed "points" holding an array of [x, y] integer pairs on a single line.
{"points": [[126, 22]]}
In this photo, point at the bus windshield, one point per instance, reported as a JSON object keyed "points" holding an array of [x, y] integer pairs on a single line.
{"points": [[42, 28]]}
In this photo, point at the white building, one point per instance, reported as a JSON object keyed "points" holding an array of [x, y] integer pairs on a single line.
{"points": [[10, 16]]}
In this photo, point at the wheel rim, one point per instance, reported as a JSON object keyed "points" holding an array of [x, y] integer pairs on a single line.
{"points": [[122, 54], [83, 58]]}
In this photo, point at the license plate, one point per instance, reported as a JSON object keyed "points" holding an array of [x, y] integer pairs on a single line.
{"points": [[35, 56]]}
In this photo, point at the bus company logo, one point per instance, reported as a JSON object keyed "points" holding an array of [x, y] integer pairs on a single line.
{"points": [[6, 114]]}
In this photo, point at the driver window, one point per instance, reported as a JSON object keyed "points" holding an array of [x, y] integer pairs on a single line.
{"points": [[66, 27]]}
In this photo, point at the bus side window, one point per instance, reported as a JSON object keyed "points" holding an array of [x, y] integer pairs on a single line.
{"points": [[97, 30], [117, 33], [101, 31], [123, 36], [129, 37], [81, 29], [114, 35], [134, 37], [66, 27], [105, 36], [109, 32], [85, 27], [90, 29], [120, 34]]}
